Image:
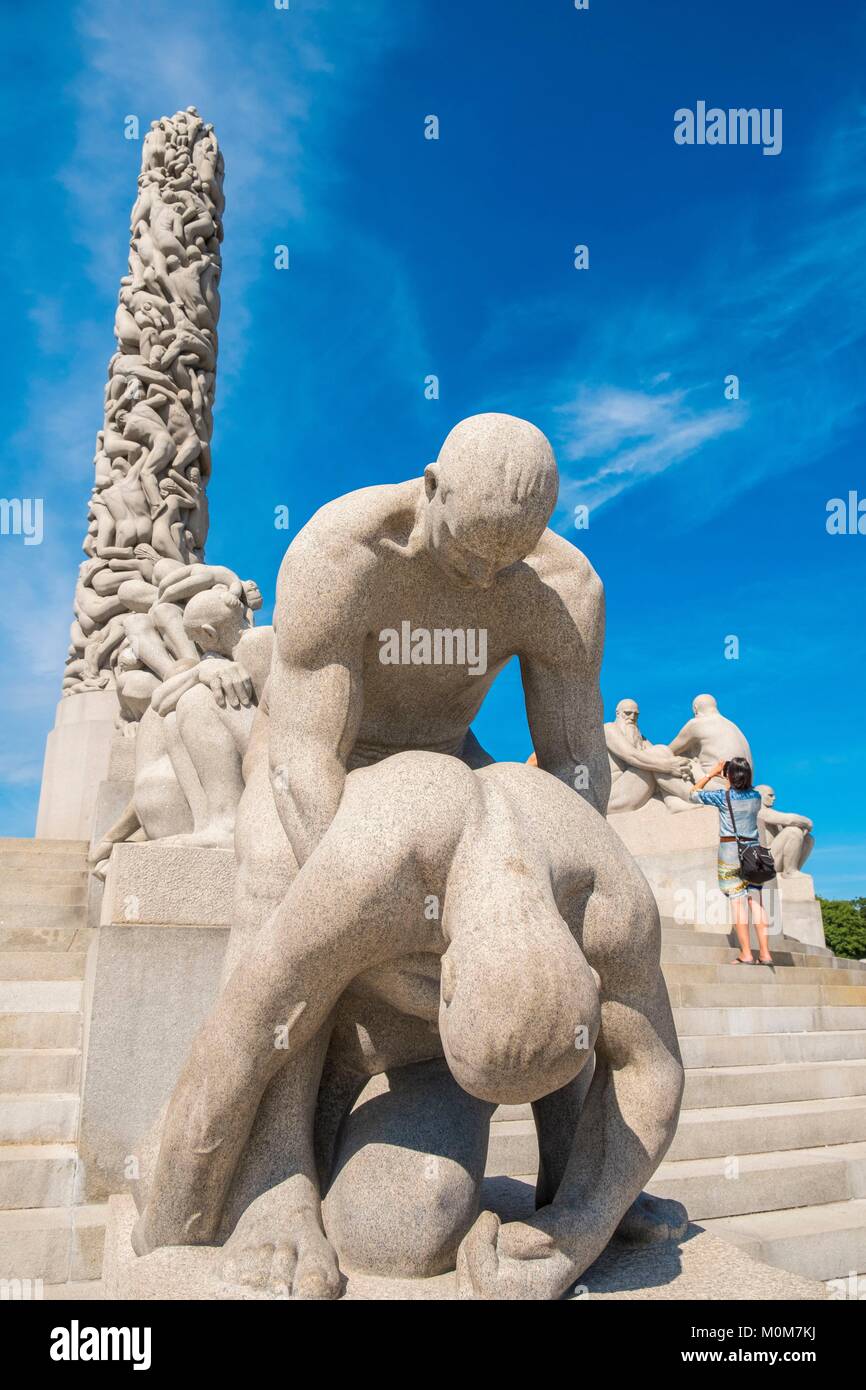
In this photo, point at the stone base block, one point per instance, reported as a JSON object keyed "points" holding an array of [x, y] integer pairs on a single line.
{"points": [[152, 988], [699, 1267], [76, 761], [800, 909], [169, 885]]}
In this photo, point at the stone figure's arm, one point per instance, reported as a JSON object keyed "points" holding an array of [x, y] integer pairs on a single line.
{"points": [[770, 816], [560, 664], [628, 1119], [653, 757], [335, 921], [315, 690], [685, 741], [164, 699]]}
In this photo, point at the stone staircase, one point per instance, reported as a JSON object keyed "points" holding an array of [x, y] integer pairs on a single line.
{"points": [[771, 1148], [770, 1152], [43, 950]]}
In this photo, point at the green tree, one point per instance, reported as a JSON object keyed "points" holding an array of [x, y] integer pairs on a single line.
{"points": [[845, 926]]}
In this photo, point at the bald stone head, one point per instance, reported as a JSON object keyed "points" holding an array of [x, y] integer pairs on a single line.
{"points": [[489, 497], [704, 704], [216, 618], [768, 795]]}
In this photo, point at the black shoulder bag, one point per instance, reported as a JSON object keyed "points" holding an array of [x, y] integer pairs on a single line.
{"points": [[756, 863]]}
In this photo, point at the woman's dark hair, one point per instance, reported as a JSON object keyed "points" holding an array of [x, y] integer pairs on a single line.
{"points": [[739, 773]]}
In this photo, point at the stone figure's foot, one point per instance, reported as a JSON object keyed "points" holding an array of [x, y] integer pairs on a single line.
{"points": [[140, 1241], [286, 1252], [651, 1219], [211, 837], [519, 1260]]}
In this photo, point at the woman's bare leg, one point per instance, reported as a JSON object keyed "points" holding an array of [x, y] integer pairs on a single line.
{"points": [[740, 908], [762, 927]]}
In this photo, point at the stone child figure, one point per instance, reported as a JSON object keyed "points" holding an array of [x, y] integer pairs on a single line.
{"points": [[641, 770], [547, 944], [787, 835]]}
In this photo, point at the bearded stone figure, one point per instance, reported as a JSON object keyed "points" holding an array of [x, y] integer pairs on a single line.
{"points": [[641, 770]]}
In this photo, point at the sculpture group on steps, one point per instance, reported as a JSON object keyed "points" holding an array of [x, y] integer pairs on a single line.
{"points": [[152, 463], [642, 772]]}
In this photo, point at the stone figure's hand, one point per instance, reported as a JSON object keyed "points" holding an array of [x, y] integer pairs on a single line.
{"points": [[806, 823], [100, 852], [252, 594], [683, 768], [520, 1260], [228, 682]]}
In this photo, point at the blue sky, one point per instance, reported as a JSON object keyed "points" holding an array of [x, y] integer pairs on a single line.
{"points": [[455, 257]]}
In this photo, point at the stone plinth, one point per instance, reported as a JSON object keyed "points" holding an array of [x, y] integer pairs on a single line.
{"points": [[154, 977], [678, 855], [699, 1267], [76, 762], [168, 885], [800, 909]]}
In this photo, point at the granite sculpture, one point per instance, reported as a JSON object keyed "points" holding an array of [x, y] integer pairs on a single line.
{"points": [[476, 935], [152, 462], [709, 737], [641, 770], [185, 691], [345, 744], [788, 836]]}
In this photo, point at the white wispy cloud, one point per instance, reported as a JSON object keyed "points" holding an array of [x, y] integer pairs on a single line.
{"points": [[632, 435]]}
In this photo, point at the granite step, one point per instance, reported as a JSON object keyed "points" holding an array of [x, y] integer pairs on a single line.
{"points": [[40, 1030], [42, 965], [40, 997], [748, 1129], [25, 1070], [36, 1175], [780, 976], [674, 953], [762, 1049], [821, 1242], [673, 935], [46, 857], [691, 1021], [712, 1133], [19, 891], [755, 994], [42, 939], [36, 916], [56, 1244], [38, 1117], [714, 1087], [740, 1184]]}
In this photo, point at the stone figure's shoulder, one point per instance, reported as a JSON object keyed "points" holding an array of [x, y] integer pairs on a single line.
{"points": [[358, 520], [564, 568]]}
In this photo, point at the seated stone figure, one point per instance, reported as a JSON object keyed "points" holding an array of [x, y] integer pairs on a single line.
{"points": [[709, 737], [475, 934], [193, 736], [786, 835], [640, 770]]}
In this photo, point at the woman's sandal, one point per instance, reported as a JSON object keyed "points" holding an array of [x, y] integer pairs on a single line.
{"points": [[740, 961]]}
